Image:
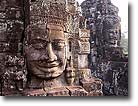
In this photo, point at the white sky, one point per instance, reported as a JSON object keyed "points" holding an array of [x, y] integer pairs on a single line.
{"points": [[123, 12]]}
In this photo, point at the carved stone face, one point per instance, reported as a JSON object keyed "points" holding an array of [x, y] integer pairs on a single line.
{"points": [[45, 52], [112, 36]]}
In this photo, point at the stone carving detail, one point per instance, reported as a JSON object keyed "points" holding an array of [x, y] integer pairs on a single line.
{"points": [[45, 47], [13, 69]]}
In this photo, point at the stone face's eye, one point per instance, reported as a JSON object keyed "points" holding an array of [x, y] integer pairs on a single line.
{"points": [[38, 46], [61, 44], [58, 45]]}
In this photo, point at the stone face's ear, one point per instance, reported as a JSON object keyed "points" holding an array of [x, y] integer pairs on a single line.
{"points": [[47, 30], [27, 33]]}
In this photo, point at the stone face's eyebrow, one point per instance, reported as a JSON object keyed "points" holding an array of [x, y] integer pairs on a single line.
{"points": [[38, 41], [41, 40], [59, 40]]}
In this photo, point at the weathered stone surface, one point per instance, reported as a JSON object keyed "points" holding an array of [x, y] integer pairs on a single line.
{"points": [[77, 91], [105, 31], [11, 31], [45, 47], [58, 91], [116, 78]]}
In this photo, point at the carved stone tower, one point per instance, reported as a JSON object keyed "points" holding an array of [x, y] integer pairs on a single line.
{"points": [[108, 62]]}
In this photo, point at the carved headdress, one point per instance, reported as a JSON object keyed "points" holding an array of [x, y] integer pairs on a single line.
{"points": [[48, 13]]}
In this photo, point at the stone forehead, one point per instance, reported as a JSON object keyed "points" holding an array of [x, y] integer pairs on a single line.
{"points": [[44, 32], [44, 28], [55, 27]]}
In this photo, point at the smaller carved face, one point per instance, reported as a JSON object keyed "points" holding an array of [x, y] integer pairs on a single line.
{"points": [[112, 35], [45, 52]]}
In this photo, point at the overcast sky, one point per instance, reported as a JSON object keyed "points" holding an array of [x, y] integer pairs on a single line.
{"points": [[123, 12]]}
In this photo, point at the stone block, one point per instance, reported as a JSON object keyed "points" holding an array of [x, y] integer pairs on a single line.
{"points": [[92, 84], [77, 91]]}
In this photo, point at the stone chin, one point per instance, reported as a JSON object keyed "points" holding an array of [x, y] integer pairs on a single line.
{"points": [[46, 73]]}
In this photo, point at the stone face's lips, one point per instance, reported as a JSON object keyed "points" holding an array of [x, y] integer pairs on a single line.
{"points": [[45, 64], [46, 67], [47, 70]]}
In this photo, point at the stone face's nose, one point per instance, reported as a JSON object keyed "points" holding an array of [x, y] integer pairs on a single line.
{"points": [[50, 53]]}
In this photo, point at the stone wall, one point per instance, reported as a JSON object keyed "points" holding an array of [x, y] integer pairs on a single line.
{"points": [[11, 38]]}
